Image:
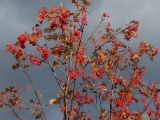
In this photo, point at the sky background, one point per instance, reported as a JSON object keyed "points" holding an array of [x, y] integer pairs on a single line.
{"points": [[18, 16]]}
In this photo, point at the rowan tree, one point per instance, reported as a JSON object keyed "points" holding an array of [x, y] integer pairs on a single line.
{"points": [[103, 77]]}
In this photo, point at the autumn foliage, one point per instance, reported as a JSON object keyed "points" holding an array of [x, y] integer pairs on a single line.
{"points": [[102, 73]]}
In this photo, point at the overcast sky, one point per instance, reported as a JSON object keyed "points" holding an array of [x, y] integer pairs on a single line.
{"points": [[18, 16]]}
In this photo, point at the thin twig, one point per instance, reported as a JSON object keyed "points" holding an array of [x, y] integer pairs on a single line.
{"points": [[35, 91]]}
